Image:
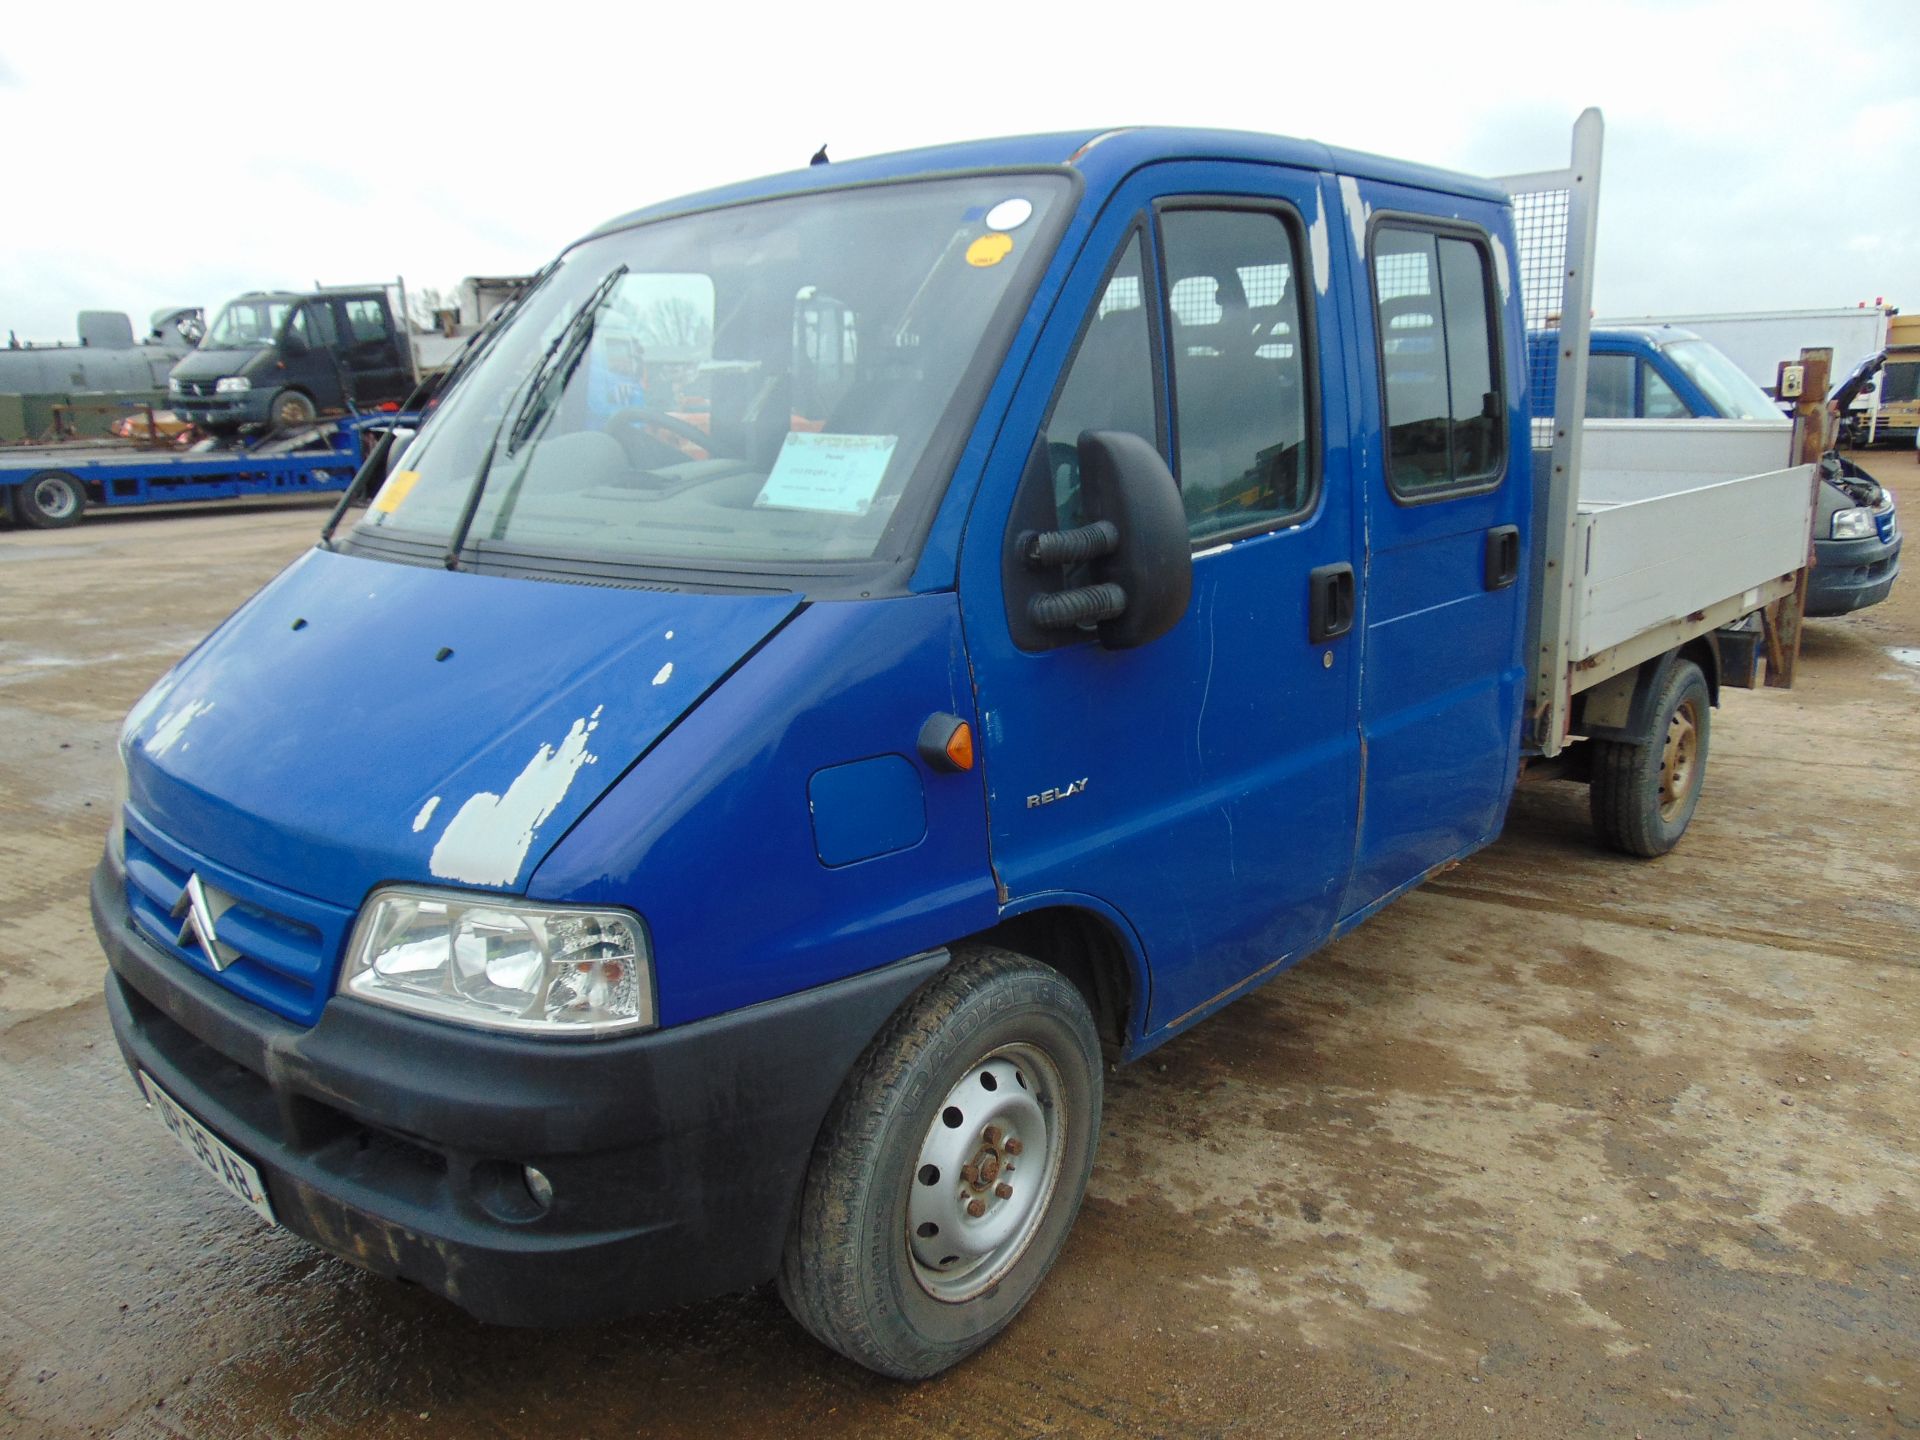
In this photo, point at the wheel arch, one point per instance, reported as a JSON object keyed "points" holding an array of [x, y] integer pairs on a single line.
{"points": [[1093, 947], [1647, 679]]}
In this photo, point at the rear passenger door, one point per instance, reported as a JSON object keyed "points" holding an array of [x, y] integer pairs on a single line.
{"points": [[370, 351], [1202, 786], [1446, 496]]}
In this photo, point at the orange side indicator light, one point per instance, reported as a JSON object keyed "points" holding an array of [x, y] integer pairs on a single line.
{"points": [[946, 743], [960, 746]]}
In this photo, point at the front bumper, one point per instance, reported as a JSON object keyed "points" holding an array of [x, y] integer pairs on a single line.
{"points": [[1850, 575], [247, 407], [397, 1142]]}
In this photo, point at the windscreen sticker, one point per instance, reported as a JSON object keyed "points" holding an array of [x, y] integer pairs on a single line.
{"points": [[838, 474], [398, 486], [989, 250], [1010, 214]]}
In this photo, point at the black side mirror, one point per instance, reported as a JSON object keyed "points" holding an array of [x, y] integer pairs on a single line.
{"points": [[1124, 574], [292, 345], [1124, 480]]}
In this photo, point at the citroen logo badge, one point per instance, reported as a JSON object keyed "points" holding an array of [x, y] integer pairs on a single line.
{"points": [[201, 905]]}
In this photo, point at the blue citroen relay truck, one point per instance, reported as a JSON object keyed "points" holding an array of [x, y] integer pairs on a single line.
{"points": [[1030, 593]]}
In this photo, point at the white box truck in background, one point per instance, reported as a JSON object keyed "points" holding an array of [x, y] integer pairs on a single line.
{"points": [[1758, 341]]}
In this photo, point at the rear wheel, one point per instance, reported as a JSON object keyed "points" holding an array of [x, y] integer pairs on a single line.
{"points": [[1644, 792], [950, 1168], [50, 500]]}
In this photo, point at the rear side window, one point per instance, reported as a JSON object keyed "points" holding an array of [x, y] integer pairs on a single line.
{"points": [[1241, 449], [1440, 362]]}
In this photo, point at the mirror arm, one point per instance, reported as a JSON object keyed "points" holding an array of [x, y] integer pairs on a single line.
{"points": [[1072, 609]]}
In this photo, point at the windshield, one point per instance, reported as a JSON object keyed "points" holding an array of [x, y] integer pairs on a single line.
{"points": [[1899, 384], [1732, 391], [757, 387], [246, 325]]}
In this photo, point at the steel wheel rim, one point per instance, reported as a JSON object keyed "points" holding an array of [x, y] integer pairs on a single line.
{"points": [[1004, 1155], [1680, 760], [54, 498]]}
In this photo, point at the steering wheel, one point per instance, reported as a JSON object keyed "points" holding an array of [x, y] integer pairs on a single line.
{"points": [[637, 417]]}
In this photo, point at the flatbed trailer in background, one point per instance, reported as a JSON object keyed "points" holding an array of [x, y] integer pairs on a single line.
{"points": [[48, 486]]}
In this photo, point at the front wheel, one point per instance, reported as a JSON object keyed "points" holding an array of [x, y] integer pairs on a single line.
{"points": [[1644, 792], [950, 1168], [290, 408]]}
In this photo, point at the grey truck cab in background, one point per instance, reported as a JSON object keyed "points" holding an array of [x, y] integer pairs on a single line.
{"points": [[282, 358]]}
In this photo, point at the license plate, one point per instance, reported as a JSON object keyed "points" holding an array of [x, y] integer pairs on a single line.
{"points": [[210, 1152]]}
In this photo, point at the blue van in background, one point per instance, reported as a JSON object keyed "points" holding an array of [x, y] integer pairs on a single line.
{"points": [[1662, 372]]}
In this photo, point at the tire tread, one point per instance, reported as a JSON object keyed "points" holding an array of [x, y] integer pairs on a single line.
{"points": [[820, 1273]]}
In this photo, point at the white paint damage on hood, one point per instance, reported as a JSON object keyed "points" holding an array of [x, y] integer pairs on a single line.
{"points": [[426, 814], [174, 725], [487, 842]]}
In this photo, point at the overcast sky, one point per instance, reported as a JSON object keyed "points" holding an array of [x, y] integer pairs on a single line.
{"points": [[165, 154]]}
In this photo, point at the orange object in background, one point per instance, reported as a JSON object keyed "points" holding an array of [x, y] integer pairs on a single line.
{"points": [[159, 427]]}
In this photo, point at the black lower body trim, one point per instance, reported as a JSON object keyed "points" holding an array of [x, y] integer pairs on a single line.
{"points": [[399, 1143]]}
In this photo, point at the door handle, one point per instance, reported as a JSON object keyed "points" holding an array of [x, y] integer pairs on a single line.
{"points": [[1329, 602], [1503, 557]]}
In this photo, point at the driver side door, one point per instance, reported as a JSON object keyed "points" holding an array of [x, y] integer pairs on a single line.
{"points": [[1202, 786]]}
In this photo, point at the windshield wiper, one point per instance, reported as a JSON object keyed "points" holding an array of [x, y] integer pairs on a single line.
{"points": [[565, 350], [561, 360], [482, 339], [430, 391]]}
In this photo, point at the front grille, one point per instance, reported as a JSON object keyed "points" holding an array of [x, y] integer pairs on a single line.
{"points": [[286, 942], [197, 389]]}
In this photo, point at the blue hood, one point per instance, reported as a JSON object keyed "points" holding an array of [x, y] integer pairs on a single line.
{"points": [[360, 722]]}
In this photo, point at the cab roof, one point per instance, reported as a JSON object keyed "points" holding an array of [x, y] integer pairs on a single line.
{"points": [[1103, 158], [1649, 334]]}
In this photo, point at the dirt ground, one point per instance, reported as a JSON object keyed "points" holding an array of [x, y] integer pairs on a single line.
{"points": [[1562, 1144]]}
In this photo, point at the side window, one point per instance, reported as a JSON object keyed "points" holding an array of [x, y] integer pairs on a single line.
{"points": [[320, 317], [1439, 360], [1610, 387], [366, 320], [1659, 401], [1240, 415], [300, 326], [1109, 384]]}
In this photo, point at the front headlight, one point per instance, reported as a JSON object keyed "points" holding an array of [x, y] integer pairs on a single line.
{"points": [[502, 964], [176, 387], [233, 385], [1854, 524]]}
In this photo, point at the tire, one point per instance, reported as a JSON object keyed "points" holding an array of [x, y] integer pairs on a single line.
{"points": [[991, 1070], [290, 408], [50, 500], [1644, 792]]}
